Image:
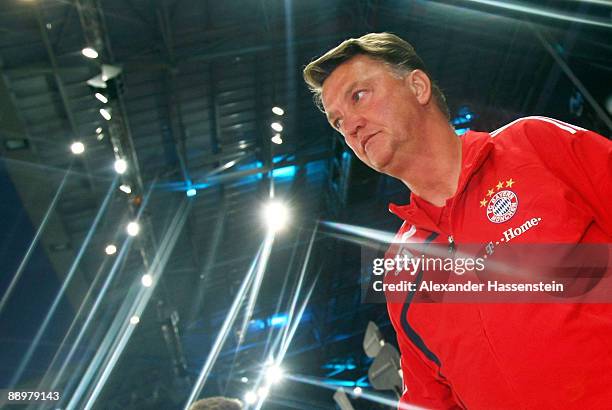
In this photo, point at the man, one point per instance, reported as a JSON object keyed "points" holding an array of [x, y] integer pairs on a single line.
{"points": [[217, 403], [377, 93]]}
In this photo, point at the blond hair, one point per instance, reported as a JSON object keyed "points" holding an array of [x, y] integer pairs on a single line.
{"points": [[388, 48], [217, 403]]}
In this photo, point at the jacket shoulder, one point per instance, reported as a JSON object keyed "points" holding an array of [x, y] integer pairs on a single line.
{"points": [[535, 124]]}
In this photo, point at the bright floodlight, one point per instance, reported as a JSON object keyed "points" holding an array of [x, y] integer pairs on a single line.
{"points": [[100, 137], [125, 188], [134, 320], [101, 97], [263, 392], [277, 139], [357, 391], [120, 166], [110, 249], [250, 397], [274, 374], [276, 126], [244, 379], [278, 110], [77, 148], [191, 192], [146, 280], [133, 228], [99, 130], [105, 114], [276, 215], [89, 52]]}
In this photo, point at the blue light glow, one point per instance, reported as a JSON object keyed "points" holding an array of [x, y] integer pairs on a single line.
{"points": [[191, 192], [280, 158], [464, 115], [284, 172], [346, 383], [250, 165], [257, 324], [278, 320], [340, 366]]}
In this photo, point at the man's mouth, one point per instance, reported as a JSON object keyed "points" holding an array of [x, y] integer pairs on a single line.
{"points": [[365, 140]]}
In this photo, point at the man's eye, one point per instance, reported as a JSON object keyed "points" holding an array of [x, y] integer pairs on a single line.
{"points": [[358, 95]]}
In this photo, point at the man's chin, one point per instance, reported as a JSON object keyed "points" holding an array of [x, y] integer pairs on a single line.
{"points": [[380, 166]]}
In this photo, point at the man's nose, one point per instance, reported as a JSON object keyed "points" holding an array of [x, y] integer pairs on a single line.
{"points": [[352, 124]]}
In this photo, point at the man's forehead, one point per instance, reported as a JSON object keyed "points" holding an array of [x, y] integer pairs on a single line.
{"points": [[335, 93], [345, 76]]}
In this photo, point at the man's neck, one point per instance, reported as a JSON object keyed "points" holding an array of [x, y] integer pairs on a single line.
{"points": [[434, 174]]}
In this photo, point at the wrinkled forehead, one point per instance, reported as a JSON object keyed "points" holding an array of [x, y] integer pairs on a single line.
{"points": [[330, 89], [339, 80], [357, 69]]}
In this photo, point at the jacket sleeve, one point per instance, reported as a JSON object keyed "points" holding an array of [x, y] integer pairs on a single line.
{"points": [[580, 158], [422, 385]]}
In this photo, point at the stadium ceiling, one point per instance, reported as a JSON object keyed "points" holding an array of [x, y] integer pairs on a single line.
{"points": [[189, 89]]}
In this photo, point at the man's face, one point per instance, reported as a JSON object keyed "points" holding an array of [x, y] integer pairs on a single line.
{"points": [[376, 111]]}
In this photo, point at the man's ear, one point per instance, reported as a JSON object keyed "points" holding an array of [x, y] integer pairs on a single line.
{"points": [[420, 84]]}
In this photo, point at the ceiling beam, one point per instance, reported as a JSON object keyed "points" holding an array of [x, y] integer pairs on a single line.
{"points": [[60, 87]]}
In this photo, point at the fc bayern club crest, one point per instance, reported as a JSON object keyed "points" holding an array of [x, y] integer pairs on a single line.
{"points": [[502, 206]]}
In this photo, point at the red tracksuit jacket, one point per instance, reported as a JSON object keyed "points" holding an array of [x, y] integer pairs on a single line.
{"points": [[513, 356]]}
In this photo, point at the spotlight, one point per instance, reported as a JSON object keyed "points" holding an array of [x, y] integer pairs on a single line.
{"points": [[278, 110], [133, 228], [125, 188], [110, 249], [99, 130], [96, 82], [100, 137], [120, 166], [357, 391], [134, 320], [89, 52], [146, 280], [263, 392], [244, 379], [77, 148], [105, 114], [274, 374], [276, 215], [101, 97], [108, 72], [276, 126], [250, 397], [191, 192], [277, 139]]}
